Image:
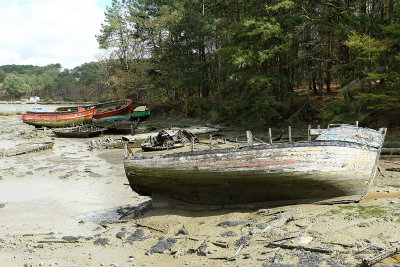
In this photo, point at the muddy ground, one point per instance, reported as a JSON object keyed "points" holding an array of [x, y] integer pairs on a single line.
{"points": [[71, 206]]}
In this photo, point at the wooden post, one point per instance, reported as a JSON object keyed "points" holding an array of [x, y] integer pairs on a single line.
{"points": [[309, 136], [356, 123], [290, 134], [319, 126], [192, 146], [249, 138], [270, 136], [210, 141]]}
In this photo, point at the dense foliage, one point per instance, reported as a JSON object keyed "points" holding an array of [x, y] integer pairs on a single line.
{"points": [[247, 62]]}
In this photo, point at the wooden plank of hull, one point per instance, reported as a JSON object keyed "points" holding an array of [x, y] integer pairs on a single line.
{"points": [[320, 170]]}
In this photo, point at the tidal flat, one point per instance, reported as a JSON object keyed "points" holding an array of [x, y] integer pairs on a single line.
{"points": [[71, 206]]}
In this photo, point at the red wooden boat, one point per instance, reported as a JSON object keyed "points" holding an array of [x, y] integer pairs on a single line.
{"points": [[102, 110], [57, 119], [119, 107]]}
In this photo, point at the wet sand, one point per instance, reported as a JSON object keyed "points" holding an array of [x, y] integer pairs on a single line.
{"points": [[71, 206]]}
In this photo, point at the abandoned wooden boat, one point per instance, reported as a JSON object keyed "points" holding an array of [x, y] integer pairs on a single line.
{"points": [[84, 131], [167, 139], [57, 119], [108, 109], [103, 110], [25, 149], [339, 165], [123, 122]]}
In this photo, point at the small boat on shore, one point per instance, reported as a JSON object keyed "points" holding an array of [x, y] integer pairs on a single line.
{"points": [[127, 122], [84, 131], [103, 110], [338, 166], [57, 119]]}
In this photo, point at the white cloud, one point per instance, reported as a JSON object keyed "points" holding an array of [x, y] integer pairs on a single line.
{"points": [[42, 32]]}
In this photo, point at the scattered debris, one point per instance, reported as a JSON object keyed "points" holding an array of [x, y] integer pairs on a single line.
{"points": [[286, 246], [71, 238], [283, 218], [377, 258], [236, 223]]}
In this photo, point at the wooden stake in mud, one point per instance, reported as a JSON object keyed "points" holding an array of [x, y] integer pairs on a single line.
{"points": [[249, 138], [192, 146], [270, 135], [290, 134], [309, 136], [210, 141]]}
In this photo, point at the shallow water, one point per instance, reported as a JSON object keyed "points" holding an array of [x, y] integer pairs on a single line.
{"points": [[29, 107]]}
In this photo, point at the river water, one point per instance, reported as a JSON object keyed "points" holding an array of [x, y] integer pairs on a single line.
{"points": [[9, 108]]}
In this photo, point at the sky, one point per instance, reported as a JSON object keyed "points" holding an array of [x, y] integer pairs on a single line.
{"points": [[42, 32]]}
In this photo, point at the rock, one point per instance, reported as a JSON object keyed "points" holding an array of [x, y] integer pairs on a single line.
{"points": [[138, 235], [102, 241], [120, 235], [182, 231], [2, 205], [162, 245], [244, 240]]}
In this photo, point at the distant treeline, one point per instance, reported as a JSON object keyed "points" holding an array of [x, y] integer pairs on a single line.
{"points": [[52, 83], [245, 62]]}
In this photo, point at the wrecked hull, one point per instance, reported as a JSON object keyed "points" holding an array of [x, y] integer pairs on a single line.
{"points": [[324, 170]]}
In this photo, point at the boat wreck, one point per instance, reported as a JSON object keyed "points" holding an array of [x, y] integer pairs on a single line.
{"points": [[84, 131], [26, 149], [57, 119], [338, 166]]}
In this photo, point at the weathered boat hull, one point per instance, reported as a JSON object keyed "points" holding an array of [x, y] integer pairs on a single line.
{"points": [[114, 108], [317, 170], [57, 119], [26, 149], [79, 132]]}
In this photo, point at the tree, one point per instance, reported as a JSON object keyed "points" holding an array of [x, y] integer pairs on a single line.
{"points": [[16, 87]]}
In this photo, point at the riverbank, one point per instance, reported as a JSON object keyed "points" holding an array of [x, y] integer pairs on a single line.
{"points": [[71, 206]]}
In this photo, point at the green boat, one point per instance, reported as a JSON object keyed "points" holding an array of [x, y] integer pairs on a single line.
{"points": [[141, 112], [123, 123]]}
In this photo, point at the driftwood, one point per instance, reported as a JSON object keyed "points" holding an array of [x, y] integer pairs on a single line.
{"points": [[393, 169], [148, 227], [383, 255], [229, 258], [57, 241], [286, 246], [285, 217]]}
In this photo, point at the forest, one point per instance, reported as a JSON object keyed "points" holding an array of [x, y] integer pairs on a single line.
{"points": [[244, 62]]}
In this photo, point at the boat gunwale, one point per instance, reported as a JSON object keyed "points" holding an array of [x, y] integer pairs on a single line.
{"points": [[256, 147]]}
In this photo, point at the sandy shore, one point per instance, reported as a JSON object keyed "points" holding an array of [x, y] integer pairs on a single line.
{"points": [[71, 206]]}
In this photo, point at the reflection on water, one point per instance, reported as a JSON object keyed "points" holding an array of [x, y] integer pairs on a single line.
{"points": [[29, 107]]}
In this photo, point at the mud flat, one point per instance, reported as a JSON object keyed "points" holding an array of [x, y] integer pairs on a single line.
{"points": [[70, 206]]}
